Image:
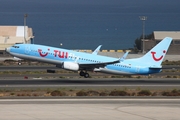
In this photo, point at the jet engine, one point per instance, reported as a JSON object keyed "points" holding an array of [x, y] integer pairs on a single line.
{"points": [[70, 66]]}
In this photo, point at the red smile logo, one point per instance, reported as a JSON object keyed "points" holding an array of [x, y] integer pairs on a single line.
{"points": [[155, 58], [41, 53]]}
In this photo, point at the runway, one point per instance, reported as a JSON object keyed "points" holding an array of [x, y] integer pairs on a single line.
{"points": [[93, 83], [89, 109], [72, 79]]}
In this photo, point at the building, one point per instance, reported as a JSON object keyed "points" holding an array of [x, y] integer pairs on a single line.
{"points": [[10, 35], [158, 36]]}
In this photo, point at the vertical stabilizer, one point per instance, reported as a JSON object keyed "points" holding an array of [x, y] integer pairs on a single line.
{"points": [[156, 55]]}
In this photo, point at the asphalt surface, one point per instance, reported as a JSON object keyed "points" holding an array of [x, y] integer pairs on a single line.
{"points": [[93, 83], [89, 109], [73, 80]]}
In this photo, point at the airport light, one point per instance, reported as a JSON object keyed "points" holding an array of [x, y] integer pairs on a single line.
{"points": [[25, 16], [143, 19]]}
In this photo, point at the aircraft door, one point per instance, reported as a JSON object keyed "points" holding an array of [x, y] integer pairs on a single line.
{"points": [[137, 69], [27, 49]]}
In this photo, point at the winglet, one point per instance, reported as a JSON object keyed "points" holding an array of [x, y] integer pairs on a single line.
{"points": [[124, 56], [95, 52]]}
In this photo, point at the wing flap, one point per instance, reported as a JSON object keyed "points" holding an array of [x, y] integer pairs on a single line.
{"points": [[96, 65]]}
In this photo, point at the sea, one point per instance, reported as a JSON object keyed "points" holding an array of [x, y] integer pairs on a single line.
{"points": [[85, 24]]}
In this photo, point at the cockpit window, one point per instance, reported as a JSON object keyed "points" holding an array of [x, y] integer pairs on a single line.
{"points": [[15, 46]]}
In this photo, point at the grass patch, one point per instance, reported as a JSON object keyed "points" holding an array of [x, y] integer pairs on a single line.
{"points": [[171, 93], [57, 93], [144, 93], [87, 92], [118, 93]]}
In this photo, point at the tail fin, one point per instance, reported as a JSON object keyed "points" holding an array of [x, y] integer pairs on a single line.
{"points": [[156, 55]]}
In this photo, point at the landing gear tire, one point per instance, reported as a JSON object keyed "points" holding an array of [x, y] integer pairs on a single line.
{"points": [[19, 63], [81, 73], [86, 75]]}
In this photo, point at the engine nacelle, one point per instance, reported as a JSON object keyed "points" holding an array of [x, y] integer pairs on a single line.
{"points": [[70, 66]]}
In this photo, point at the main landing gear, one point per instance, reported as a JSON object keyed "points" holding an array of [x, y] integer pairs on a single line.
{"points": [[85, 74]]}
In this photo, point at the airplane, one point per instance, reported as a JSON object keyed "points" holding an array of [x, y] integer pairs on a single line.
{"points": [[66, 59]]}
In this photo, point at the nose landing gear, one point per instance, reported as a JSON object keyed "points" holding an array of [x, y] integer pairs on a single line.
{"points": [[19, 63]]}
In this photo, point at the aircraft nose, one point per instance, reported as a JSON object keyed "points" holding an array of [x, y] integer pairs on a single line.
{"points": [[7, 49]]}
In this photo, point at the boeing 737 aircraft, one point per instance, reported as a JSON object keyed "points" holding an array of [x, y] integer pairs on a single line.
{"points": [[80, 61]]}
